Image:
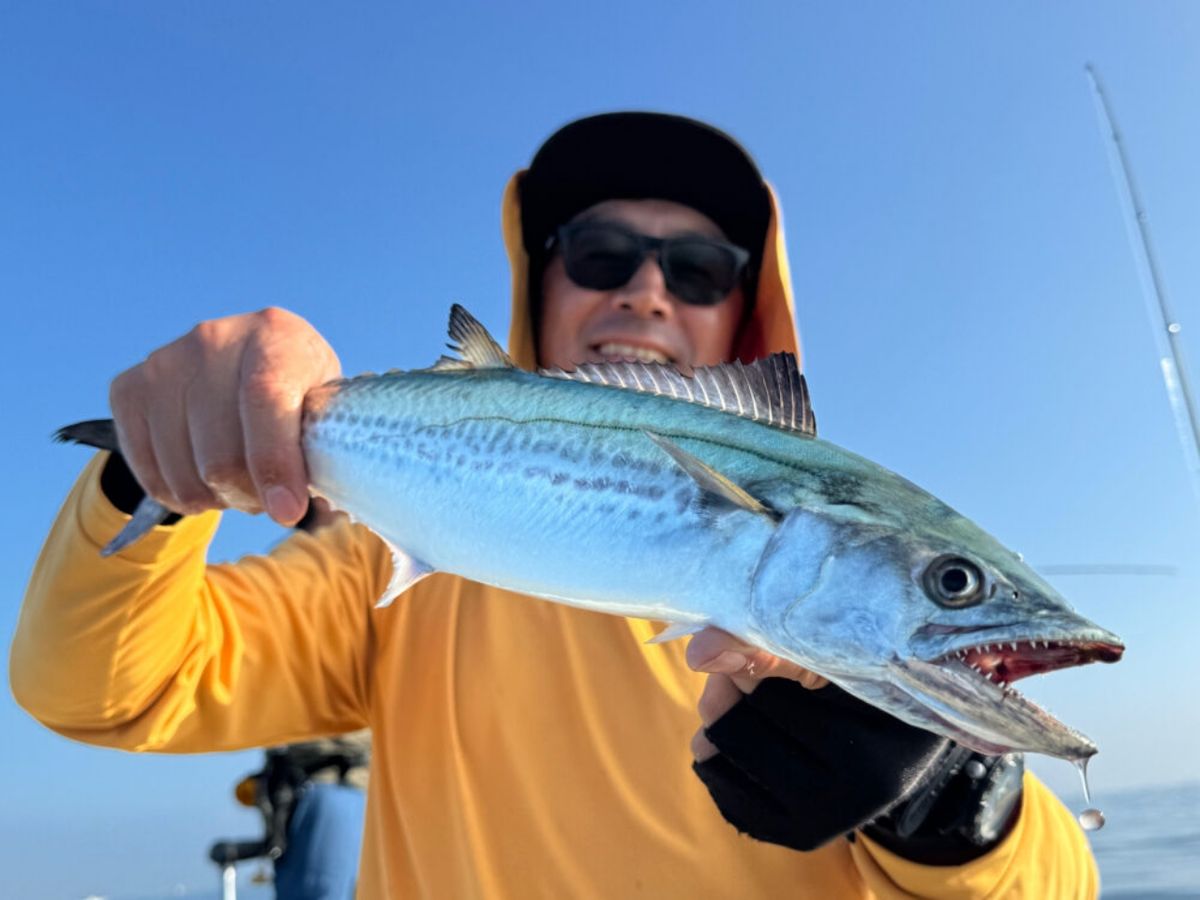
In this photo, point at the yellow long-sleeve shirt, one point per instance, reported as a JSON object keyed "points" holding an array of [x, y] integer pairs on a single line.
{"points": [[522, 749]]}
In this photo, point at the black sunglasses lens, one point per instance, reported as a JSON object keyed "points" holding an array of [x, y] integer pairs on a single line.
{"points": [[699, 271], [600, 257]]}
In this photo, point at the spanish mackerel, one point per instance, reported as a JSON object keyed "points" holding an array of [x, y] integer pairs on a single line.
{"points": [[702, 499]]}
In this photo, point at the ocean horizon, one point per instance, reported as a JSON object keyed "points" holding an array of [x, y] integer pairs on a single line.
{"points": [[1149, 848]]}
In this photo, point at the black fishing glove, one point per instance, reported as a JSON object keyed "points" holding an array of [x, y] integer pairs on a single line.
{"points": [[798, 768], [967, 805]]}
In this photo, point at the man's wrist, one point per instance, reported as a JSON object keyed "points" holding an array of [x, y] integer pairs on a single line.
{"points": [[801, 767], [962, 812]]}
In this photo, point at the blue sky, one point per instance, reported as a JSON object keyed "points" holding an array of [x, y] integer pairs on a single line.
{"points": [[970, 308]]}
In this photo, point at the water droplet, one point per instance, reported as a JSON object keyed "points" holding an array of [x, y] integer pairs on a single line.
{"points": [[1091, 819], [1081, 765]]}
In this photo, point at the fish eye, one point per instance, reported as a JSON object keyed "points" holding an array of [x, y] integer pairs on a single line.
{"points": [[954, 582]]}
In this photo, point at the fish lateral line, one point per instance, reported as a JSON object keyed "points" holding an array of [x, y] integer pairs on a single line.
{"points": [[608, 426]]}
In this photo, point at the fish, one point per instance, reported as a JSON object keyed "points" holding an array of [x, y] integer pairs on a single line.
{"points": [[698, 499]]}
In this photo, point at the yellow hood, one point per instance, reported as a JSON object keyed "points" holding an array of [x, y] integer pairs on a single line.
{"points": [[772, 325]]}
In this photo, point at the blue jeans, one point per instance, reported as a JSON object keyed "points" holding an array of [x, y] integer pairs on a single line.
{"points": [[324, 840]]}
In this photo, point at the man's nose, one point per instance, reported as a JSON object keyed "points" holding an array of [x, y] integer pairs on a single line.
{"points": [[646, 292]]}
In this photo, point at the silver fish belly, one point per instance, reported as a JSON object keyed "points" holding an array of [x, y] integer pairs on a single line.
{"points": [[549, 488]]}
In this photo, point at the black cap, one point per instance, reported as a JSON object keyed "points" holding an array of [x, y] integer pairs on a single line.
{"points": [[639, 156]]}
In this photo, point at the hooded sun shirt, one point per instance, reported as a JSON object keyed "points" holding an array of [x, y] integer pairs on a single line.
{"points": [[523, 748]]}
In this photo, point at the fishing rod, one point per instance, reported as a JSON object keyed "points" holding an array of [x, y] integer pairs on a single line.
{"points": [[1165, 326]]}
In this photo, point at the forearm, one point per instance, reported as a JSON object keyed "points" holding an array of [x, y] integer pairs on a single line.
{"points": [[925, 817], [151, 649], [79, 660], [964, 807], [1044, 855]]}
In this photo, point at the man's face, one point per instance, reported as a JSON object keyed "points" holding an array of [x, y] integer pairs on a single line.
{"points": [[640, 319]]}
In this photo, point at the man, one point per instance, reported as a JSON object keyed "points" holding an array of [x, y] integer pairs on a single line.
{"points": [[315, 792], [522, 748], [316, 788]]}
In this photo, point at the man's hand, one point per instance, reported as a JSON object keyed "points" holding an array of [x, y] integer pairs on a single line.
{"points": [[791, 759], [212, 420], [735, 669]]}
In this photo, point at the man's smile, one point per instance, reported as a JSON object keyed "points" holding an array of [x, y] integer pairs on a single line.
{"points": [[629, 351]]}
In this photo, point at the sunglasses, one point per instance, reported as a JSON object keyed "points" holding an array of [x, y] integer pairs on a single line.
{"points": [[603, 256]]}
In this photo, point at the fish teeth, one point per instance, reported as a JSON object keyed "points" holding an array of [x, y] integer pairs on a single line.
{"points": [[1013, 644]]}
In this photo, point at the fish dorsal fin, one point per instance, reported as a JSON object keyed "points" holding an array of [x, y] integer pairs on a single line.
{"points": [[770, 390], [476, 348]]}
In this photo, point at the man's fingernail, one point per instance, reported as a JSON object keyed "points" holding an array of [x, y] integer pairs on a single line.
{"points": [[282, 504], [727, 662]]}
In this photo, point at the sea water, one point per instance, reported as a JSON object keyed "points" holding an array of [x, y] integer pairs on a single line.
{"points": [[1150, 847]]}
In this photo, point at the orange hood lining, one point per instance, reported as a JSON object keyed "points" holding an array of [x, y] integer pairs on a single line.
{"points": [[770, 329]]}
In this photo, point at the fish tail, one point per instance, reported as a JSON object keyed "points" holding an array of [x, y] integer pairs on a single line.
{"points": [[98, 433], [148, 514], [102, 434]]}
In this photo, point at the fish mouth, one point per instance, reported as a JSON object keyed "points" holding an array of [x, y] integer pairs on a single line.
{"points": [[967, 691], [1003, 662]]}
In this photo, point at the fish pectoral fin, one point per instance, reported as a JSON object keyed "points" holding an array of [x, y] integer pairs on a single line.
{"points": [[676, 630], [406, 571], [712, 482]]}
